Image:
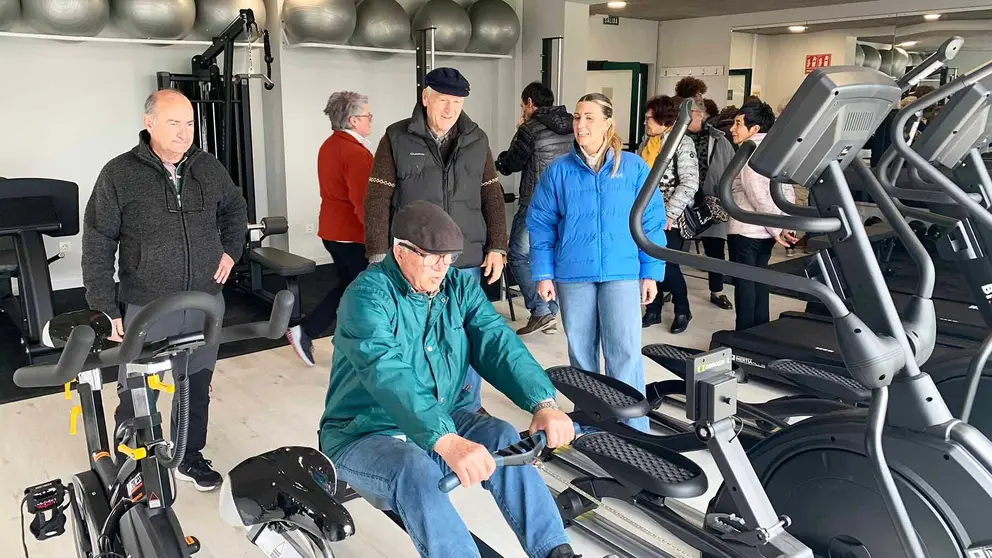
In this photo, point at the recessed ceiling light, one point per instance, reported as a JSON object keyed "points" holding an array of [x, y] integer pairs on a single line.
{"points": [[797, 28], [907, 44], [931, 17], [616, 5]]}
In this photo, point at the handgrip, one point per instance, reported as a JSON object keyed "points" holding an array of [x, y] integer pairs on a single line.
{"points": [[70, 362], [787, 222], [946, 52], [282, 312], [210, 305]]}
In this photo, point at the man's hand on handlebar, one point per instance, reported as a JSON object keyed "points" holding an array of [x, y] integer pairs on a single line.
{"points": [[472, 462], [118, 334], [556, 425]]}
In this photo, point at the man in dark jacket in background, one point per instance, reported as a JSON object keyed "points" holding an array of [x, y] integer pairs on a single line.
{"points": [[179, 223], [441, 156], [543, 133]]}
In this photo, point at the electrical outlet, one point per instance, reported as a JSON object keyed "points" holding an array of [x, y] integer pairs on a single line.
{"points": [[309, 228], [65, 247]]}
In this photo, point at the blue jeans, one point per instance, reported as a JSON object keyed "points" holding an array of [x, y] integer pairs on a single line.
{"points": [[606, 313], [518, 257], [406, 477], [473, 382]]}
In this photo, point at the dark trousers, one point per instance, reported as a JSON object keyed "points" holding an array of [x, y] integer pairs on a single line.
{"points": [[713, 247], [674, 280], [750, 298], [200, 370], [349, 261]]}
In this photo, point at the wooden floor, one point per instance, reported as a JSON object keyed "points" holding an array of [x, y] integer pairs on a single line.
{"points": [[267, 400]]}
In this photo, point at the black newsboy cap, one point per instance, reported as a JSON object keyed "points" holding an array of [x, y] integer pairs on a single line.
{"points": [[428, 227], [448, 81]]}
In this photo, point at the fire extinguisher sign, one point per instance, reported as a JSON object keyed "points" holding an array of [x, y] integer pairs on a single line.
{"points": [[814, 61]]}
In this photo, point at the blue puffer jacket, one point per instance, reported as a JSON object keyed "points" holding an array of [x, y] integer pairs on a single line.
{"points": [[579, 222]]}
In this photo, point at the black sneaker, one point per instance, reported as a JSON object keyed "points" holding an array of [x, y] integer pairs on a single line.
{"points": [[536, 324], [200, 474], [301, 343], [650, 318]]}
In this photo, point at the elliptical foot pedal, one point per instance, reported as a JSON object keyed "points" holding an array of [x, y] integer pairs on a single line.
{"points": [[822, 380], [44, 498], [671, 357], [599, 396], [660, 472]]}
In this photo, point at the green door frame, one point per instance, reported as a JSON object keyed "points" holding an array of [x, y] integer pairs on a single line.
{"points": [[638, 94], [746, 72]]}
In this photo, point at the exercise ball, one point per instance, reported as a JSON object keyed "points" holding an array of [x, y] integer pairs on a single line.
{"points": [[915, 59], [454, 28], [213, 16], [84, 18], [872, 58], [154, 19], [495, 27], [10, 11], [319, 21], [894, 62], [859, 56], [382, 24]]}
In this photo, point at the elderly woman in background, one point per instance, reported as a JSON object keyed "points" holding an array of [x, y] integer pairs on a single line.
{"points": [[344, 163]]}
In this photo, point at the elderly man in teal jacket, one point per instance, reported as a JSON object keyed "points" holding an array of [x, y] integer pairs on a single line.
{"points": [[395, 420]]}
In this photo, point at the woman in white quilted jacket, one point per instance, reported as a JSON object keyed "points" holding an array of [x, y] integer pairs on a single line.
{"points": [[678, 186]]}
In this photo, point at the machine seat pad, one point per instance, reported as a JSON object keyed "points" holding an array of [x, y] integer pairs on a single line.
{"points": [[601, 397], [661, 472], [822, 381], [281, 262], [8, 262]]}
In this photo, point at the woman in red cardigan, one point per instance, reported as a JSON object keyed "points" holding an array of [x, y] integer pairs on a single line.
{"points": [[344, 164]]}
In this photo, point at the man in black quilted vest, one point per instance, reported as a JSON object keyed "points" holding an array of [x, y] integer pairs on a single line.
{"points": [[543, 134], [441, 156]]}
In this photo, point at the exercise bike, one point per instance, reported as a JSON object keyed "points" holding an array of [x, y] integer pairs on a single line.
{"points": [[125, 509]]}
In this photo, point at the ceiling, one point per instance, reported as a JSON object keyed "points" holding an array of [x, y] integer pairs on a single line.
{"points": [[664, 10], [893, 22]]}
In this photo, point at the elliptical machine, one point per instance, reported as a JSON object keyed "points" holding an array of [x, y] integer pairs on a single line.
{"points": [[125, 509]]}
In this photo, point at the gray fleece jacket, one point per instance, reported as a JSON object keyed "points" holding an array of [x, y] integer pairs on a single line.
{"points": [[165, 242]]}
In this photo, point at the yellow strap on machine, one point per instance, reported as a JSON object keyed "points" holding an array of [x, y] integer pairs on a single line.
{"points": [[68, 390], [73, 416], [135, 454], [154, 382]]}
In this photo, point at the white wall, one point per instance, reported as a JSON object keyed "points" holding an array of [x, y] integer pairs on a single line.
{"points": [[707, 41], [967, 60], [784, 62], [634, 40]]}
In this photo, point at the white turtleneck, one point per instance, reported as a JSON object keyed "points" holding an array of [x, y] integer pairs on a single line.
{"points": [[594, 159]]}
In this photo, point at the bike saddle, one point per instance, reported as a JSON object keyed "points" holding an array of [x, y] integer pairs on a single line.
{"points": [[56, 332], [293, 485]]}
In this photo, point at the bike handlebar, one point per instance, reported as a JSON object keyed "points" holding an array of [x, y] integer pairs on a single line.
{"points": [[76, 355]]}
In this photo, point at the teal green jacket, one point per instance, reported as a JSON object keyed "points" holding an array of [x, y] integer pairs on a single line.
{"points": [[400, 358]]}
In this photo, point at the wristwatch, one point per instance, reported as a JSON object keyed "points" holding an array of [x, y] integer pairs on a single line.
{"points": [[546, 404]]}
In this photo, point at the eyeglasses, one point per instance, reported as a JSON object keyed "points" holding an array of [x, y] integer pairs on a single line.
{"points": [[369, 116], [431, 260]]}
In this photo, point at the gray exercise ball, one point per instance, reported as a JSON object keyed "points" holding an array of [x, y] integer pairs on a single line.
{"points": [[873, 59], [10, 11], [915, 59], [83, 18], [382, 24], [154, 19], [894, 62], [454, 28], [495, 27], [859, 56], [319, 21], [213, 16]]}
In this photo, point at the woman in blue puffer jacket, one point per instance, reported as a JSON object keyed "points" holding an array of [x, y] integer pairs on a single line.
{"points": [[581, 250]]}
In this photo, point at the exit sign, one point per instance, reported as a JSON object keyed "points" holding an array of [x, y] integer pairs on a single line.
{"points": [[611, 20], [814, 61]]}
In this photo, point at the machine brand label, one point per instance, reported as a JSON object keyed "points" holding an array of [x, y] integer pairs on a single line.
{"points": [[747, 361], [711, 365], [980, 552], [824, 349], [987, 289]]}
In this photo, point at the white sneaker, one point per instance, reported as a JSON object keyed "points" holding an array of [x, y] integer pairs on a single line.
{"points": [[301, 343]]}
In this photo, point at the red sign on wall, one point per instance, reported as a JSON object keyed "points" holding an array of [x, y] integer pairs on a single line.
{"points": [[814, 61]]}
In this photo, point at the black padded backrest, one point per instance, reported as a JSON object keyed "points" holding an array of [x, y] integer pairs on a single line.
{"points": [[39, 204]]}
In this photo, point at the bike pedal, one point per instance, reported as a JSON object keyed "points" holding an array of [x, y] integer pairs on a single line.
{"points": [[193, 544], [44, 498]]}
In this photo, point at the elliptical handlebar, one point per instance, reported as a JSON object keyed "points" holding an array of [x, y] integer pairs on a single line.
{"points": [[76, 355], [835, 305], [944, 53]]}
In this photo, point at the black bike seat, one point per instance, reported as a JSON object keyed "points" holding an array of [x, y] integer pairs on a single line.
{"points": [[660, 472], [822, 381], [295, 485], [57, 330], [599, 396]]}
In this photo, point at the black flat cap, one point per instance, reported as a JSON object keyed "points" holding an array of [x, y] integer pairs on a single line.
{"points": [[448, 81], [429, 228]]}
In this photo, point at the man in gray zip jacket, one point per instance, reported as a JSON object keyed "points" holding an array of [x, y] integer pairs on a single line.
{"points": [[177, 223], [544, 134]]}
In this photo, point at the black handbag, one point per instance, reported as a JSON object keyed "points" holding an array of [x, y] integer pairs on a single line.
{"points": [[701, 215]]}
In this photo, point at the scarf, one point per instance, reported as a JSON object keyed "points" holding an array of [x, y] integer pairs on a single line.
{"points": [[651, 150]]}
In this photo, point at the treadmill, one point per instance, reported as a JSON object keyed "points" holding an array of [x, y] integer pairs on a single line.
{"points": [[953, 139]]}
